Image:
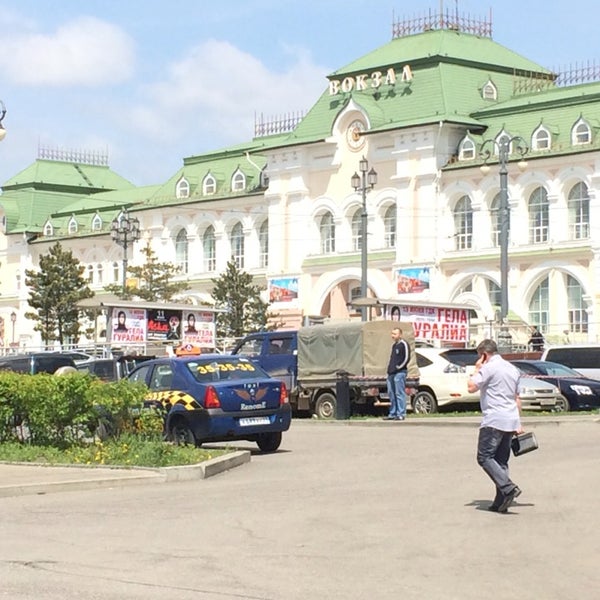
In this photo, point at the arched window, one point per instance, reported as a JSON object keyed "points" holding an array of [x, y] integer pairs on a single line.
{"points": [[463, 224], [115, 268], [496, 220], [96, 223], [539, 211], [494, 293], [578, 316], [389, 226], [209, 249], [72, 227], [539, 305], [100, 272], [237, 245], [489, 91], [48, 229], [182, 190], [503, 138], [541, 139], [263, 242], [581, 133], [90, 273], [327, 234], [209, 185], [578, 206], [181, 251], [238, 181], [466, 149], [356, 230]]}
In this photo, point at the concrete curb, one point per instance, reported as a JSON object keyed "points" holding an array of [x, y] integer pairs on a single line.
{"points": [[31, 479]]}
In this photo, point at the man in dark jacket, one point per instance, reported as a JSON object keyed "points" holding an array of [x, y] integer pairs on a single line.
{"points": [[396, 376]]}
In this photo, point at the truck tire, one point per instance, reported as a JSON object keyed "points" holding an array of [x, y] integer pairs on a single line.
{"points": [[325, 406], [424, 402], [269, 442]]}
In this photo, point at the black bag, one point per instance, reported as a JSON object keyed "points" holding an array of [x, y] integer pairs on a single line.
{"points": [[524, 443]]}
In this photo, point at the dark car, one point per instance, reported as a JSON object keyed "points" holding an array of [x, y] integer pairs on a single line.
{"points": [[216, 397], [37, 362], [579, 392], [112, 369]]}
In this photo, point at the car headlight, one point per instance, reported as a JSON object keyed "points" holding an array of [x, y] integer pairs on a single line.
{"points": [[533, 391], [582, 390]]}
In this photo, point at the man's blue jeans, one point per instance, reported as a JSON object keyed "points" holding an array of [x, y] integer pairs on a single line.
{"points": [[396, 387], [493, 452]]}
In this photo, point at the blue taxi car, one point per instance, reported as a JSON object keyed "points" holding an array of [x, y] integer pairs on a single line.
{"points": [[215, 398]]}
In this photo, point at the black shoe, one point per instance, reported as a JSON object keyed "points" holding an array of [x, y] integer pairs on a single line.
{"points": [[493, 507], [508, 499]]}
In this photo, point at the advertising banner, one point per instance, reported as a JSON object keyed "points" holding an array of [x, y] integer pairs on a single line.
{"points": [[129, 325], [412, 280], [283, 289], [164, 325], [433, 322], [199, 328]]}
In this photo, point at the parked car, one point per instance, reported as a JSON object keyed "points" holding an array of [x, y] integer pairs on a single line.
{"points": [[584, 358], [37, 362], [216, 397], [579, 392], [444, 377], [112, 369]]}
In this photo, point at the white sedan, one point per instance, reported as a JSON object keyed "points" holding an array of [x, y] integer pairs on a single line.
{"points": [[443, 382]]}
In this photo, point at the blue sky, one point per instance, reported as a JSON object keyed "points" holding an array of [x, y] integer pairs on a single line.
{"points": [[153, 81]]}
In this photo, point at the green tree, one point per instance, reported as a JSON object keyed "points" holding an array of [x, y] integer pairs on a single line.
{"points": [[55, 288], [245, 311], [155, 280]]}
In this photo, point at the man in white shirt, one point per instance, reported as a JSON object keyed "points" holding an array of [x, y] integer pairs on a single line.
{"points": [[498, 382]]}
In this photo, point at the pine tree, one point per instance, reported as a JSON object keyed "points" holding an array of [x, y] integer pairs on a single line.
{"points": [[245, 311], [54, 292], [154, 280]]}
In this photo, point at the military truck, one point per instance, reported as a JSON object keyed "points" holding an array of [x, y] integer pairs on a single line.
{"points": [[312, 361]]}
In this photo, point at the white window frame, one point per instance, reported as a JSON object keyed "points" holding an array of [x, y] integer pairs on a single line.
{"points": [[48, 229], [581, 133], [182, 189], [467, 150], [541, 139], [97, 222], [485, 91], [72, 227], [209, 247], [238, 181], [209, 185]]}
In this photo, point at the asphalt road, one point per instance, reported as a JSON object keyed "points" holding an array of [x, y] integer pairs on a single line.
{"points": [[341, 512]]}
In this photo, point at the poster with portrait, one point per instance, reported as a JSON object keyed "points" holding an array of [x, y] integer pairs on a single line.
{"points": [[164, 325], [283, 290], [199, 328], [128, 325], [413, 280]]}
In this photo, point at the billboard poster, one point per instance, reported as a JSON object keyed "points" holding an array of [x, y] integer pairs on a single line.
{"points": [[128, 325], [283, 289], [199, 328], [434, 322], [412, 280], [164, 324]]}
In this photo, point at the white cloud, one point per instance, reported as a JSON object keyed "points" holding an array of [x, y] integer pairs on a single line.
{"points": [[83, 52], [215, 91]]}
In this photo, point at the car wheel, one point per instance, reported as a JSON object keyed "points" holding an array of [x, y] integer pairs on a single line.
{"points": [[269, 442], [325, 406], [424, 402], [562, 405], [181, 434]]}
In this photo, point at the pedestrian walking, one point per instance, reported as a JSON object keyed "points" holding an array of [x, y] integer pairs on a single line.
{"points": [[396, 376], [536, 341], [498, 381]]}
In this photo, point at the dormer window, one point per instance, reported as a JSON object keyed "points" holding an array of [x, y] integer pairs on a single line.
{"points": [[264, 179], [541, 139], [96, 223], [209, 185], [581, 133], [503, 138], [72, 227], [466, 149], [489, 91], [238, 182], [48, 229], [182, 189]]}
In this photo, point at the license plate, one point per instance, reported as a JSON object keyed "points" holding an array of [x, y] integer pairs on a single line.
{"points": [[245, 421], [548, 402]]}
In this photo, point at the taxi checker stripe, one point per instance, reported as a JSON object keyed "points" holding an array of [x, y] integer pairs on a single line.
{"points": [[170, 398]]}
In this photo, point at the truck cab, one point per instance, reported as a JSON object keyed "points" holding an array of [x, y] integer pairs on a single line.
{"points": [[274, 351]]}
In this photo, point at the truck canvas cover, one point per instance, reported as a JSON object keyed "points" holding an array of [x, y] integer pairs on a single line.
{"points": [[360, 348]]}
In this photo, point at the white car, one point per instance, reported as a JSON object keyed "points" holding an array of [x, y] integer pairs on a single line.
{"points": [[444, 376]]}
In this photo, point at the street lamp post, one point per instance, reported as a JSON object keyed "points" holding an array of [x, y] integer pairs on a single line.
{"points": [[364, 182], [13, 320], [2, 115], [125, 230], [504, 147]]}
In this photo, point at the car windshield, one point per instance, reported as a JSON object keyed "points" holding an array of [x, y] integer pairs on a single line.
{"points": [[556, 370], [224, 368]]}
